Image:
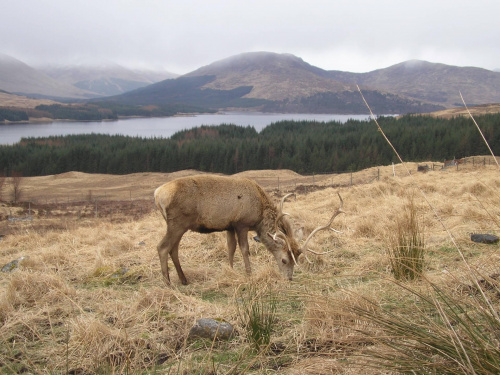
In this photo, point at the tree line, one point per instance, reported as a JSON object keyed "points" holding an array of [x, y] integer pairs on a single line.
{"points": [[303, 146]]}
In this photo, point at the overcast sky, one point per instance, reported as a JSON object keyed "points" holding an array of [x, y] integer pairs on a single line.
{"points": [[183, 35]]}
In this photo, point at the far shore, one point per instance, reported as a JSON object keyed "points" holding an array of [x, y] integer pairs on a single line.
{"points": [[47, 120]]}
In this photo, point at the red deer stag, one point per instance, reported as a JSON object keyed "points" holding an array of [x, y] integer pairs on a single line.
{"points": [[207, 203]]}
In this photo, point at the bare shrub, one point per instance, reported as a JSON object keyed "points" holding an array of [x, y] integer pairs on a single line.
{"points": [[2, 183], [16, 188]]}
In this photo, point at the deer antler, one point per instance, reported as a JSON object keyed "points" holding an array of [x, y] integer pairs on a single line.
{"points": [[280, 215], [327, 226], [278, 234], [283, 201]]}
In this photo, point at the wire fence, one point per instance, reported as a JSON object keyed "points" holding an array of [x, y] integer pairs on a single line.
{"points": [[135, 203]]}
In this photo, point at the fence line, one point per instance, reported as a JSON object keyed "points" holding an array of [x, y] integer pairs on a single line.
{"points": [[97, 203]]}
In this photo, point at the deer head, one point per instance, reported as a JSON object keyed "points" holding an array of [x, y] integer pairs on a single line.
{"points": [[286, 241]]}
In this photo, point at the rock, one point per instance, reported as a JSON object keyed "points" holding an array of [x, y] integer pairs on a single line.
{"points": [[212, 329], [14, 265], [142, 243], [484, 238], [423, 168]]}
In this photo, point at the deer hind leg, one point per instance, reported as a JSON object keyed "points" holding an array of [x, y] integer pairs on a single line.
{"points": [[174, 254], [169, 245], [231, 245], [243, 242]]}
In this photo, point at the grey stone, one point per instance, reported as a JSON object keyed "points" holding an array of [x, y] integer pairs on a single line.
{"points": [[212, 329], [484, 238], [12, 266]]}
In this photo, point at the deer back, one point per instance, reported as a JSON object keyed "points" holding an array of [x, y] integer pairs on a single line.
{"points": [[211, 203]]}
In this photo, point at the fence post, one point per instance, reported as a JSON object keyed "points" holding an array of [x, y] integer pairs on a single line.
{"points": [[279, 183], [378, 174], [96, 208], [351, 178]]}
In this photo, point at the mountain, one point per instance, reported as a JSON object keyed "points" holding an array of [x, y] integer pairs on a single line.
{"points": [[431, 82], [17, 77], [270, 82], [272, 76], [105, 79], [262, 81]]}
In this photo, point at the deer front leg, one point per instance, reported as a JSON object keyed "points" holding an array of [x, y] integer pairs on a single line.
{"points": [[243, 242], [231, 245]]}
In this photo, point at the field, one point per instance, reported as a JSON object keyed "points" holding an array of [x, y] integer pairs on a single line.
{"points": [[89, 298]]}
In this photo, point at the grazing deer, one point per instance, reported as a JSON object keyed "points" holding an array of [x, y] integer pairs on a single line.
{"points": [[208, 203]]}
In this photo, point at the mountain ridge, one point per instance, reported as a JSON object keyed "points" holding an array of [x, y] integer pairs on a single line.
{"points": [[75, 82], [432, 82], [269, 82], [291, 76]]}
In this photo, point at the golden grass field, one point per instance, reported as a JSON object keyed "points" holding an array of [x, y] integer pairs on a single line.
{"points": [[19, 101], [89, 297]]}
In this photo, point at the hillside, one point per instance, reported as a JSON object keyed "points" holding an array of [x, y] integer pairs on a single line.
{"points": [[272, 76], [270, 82], [478, 110], [19, 78], [261, 81], [81, 81], [88, 296], [105, 79], [430, 82], [20, 101]]}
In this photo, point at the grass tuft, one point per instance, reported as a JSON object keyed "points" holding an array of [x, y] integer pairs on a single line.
{"points": [[257, 311], [407, 244]]}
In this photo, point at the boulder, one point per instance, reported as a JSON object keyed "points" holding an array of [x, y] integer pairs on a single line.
{"points": [[212, 329], [484, 238], [14, 265]]}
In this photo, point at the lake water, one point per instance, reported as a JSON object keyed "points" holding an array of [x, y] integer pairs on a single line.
{"points": [[163, 127]]}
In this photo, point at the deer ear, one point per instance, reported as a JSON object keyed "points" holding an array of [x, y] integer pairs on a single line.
{"points": [[299, 234]]}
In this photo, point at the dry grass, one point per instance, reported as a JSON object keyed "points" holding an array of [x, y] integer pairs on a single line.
{"points": [[19, 101], [461, 111], [90, 298]]}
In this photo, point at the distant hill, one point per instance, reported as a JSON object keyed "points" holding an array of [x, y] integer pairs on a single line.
{"points": [[105, 79], [68, 82], [431, 82], [19, 78], [272, 76], [264, 81], [261, 81]]}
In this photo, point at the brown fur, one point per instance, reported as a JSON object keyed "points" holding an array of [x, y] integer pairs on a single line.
{"points": [[208, 203]]}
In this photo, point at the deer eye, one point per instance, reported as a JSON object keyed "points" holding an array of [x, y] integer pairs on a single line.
{"points": [[284, 261]]}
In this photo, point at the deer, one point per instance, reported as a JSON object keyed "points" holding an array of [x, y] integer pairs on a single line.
{"points": [[212, 203]]}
